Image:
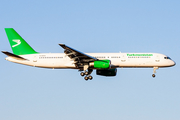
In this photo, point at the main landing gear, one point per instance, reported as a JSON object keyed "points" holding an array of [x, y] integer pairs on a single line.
{"points": [[87, 74], [154, 71]]}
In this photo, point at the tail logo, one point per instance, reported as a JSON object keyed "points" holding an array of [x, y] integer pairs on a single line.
{"points": [[18, 43]]}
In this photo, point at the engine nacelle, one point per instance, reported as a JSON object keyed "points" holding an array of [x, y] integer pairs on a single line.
{"points": [[109, 72], [100, 64]]}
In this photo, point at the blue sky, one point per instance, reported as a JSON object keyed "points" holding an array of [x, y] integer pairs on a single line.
{"points": [[28, 93]]}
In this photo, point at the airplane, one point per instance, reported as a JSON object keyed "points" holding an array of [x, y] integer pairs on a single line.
{"points": [[105, 64]]}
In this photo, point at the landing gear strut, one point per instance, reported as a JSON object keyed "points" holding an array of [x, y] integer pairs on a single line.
{"points": [[154, 71]]}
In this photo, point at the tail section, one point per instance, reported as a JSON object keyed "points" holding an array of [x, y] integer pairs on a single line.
{"points": [[18, 44]]}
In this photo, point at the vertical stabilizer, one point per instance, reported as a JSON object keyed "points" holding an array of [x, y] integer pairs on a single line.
{"points": [[18, 44]]}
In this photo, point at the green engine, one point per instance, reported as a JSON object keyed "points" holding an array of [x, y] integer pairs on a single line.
{"points": [[100, 64], [109, 72]]}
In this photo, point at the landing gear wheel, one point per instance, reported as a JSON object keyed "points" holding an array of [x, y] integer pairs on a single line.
{"points": [[86, 73], [82, 74], [90, 77], [153, 75], [86, 78]]}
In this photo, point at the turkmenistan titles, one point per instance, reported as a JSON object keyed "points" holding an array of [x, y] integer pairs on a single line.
{"points": [[139, 54]]}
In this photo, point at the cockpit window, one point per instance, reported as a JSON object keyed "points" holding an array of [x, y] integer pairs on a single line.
{"points": [[167, 58]]}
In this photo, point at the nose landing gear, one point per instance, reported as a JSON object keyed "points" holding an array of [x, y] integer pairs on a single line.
{"points": [[154, 71]]}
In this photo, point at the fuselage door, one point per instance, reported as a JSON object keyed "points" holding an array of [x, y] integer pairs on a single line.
{"points": [[123, 58], [35, 58], [157, 59]]}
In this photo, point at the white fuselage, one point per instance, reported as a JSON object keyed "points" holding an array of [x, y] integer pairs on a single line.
{"points": [[61, 60]]}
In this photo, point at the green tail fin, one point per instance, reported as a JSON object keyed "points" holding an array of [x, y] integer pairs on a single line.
{"points": [[18, 44]]}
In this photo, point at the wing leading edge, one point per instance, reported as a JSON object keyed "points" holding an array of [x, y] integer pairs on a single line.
{"points": [[80, 59]]}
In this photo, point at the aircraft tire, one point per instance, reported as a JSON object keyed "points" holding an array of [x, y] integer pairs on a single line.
{"points": [[86, 78], [153, 75], [86, 73], [90, 77], [82, 74]]}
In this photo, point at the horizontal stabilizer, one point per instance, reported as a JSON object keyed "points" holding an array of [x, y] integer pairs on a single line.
{"points": [[13, 55]]}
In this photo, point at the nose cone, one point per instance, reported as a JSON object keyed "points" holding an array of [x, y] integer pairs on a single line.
{"points": [[172, 63]]}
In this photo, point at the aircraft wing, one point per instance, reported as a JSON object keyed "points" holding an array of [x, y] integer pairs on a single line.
{"points": [[77, 56]]}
